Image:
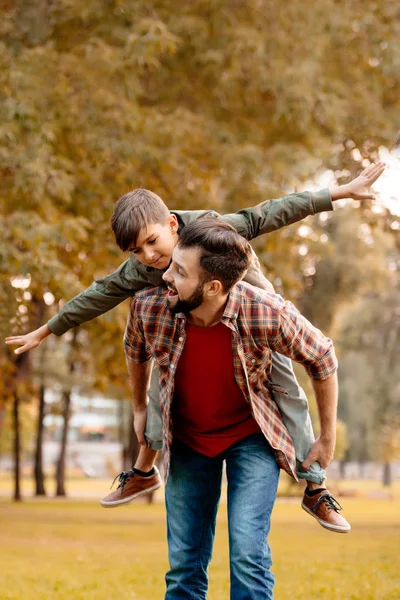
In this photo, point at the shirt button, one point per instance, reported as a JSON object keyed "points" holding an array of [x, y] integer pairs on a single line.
{"points": [[181, 339], [253, 360]]}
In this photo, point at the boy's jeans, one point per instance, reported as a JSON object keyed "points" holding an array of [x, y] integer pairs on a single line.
{"points": [[192, 497], [288, 395]]}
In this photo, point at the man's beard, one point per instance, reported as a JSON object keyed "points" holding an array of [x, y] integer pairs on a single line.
{"points": [[186, 306]]}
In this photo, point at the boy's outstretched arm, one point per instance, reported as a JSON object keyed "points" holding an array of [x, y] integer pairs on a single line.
{"points": [[271, 215], [103, 295]]}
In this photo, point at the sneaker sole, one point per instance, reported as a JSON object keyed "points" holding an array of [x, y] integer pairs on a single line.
{"points": [[115, 503], [334, 528]]}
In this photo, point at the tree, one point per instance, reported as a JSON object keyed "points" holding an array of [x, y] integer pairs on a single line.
{"points": [[217, 105], [206, 107], [390, 447], [66, 413], [370, 342], [21, 364], [38, 466]]}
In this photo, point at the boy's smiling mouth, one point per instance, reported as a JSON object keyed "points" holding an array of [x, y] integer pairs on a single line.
{"points": [[152, 264]]}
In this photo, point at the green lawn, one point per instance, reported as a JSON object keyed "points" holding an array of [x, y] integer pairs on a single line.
{"points": [[74, 550]]}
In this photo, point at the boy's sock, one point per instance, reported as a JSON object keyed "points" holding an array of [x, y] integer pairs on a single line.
{"points": [[314, 492], [144, 473]]}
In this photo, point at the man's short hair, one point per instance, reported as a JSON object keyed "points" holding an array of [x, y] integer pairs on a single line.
{"points": [[224, 254], [135, 211]]}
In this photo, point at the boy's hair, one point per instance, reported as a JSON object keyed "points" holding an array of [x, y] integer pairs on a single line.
{"points": [[133, 212], [224, 254]]}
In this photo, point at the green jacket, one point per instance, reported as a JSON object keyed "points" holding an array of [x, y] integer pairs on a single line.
{"points": [[132, 276]]}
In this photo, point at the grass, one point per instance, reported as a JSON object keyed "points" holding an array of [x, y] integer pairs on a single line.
{"points": [[75, 550], [79, 486]]}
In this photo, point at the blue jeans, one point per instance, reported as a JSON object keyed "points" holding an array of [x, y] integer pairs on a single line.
{"points": [[192, 498]]}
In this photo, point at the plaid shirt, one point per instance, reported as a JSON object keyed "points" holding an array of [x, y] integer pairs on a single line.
{"points": [[260, 322]]}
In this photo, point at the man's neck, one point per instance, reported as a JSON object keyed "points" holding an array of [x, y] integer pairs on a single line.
{"points": [[209, 313]]}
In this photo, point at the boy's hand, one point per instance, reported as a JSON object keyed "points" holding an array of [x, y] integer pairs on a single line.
{"points": [[28, 341], [358, 189], [322, 451]]}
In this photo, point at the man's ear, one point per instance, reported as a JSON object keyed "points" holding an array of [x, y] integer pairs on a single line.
{"points": [[212, 288], [173, 223]]}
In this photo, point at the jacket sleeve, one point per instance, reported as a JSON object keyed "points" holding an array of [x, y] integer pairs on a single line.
{"points": [[274, 214], [103, 295]]}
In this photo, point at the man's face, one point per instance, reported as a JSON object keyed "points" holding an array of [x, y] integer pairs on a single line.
{"points": [[155, 244], [184, 280]]}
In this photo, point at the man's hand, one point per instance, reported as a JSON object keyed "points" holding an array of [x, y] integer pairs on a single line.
{"points": [[139, 424], [30, 340], [359, 188], [322, 451]]}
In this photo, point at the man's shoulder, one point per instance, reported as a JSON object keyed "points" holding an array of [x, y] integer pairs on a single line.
{"points": [[253, 295], [150, 296]]}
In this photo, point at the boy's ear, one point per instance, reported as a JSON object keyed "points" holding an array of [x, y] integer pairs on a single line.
{"points": [[173, 223]]}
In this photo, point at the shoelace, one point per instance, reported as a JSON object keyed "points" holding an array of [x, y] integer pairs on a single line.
{"points": [[330, 502], [123, 478]]}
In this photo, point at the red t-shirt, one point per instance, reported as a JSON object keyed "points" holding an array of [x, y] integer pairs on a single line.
{"points": [[210, 412]]}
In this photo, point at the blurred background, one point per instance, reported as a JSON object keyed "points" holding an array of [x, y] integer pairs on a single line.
{"points": [[210, 104]]}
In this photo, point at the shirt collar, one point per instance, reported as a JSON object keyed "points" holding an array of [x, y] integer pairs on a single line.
{"points": [[233, 305]]}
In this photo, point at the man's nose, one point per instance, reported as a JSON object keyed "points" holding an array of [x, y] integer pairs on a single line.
{"points": [[167, 275]]}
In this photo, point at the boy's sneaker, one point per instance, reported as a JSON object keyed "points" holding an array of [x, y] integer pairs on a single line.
{"points": [[325, 509], [131, 486]]}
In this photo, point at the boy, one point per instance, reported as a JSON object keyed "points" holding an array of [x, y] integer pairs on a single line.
{"points": [[143, 225]]}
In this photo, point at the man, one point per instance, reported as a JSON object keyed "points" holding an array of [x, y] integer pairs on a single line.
{"points": [[212, 340]]}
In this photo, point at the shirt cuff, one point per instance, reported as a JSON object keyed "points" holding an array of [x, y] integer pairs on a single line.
{"points": [[323, 370], [57, 327], [135, 355], [321, 200]]}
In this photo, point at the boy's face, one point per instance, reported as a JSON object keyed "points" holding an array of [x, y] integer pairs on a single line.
{"points": [[155, 244]]}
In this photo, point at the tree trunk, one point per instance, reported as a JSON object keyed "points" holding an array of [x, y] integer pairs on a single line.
{"points": [[387, 474], [39, 475], [39, 318], [60, 471], [22, 367], [17, 451], [2, 415]]}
